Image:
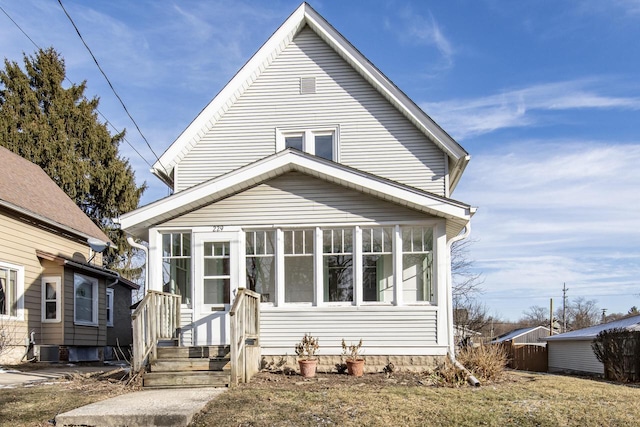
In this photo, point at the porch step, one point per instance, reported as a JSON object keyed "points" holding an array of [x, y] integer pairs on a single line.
{"points": [[212, 351], [190, 364], [186, 379]]}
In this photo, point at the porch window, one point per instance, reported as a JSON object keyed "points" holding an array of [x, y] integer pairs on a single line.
{"points": [[298, 265], [417, 264], [261, 263], [176, 265], [85, 300], [11, 285], [337, 261], [377, 265], [217, 273], [51, 299]]}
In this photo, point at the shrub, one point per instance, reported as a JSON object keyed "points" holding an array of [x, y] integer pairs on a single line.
{"points": [[487, 362], [447, 374], [618, 350]]}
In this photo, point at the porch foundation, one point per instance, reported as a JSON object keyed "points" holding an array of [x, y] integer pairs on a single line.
{"points": [[373, 364]]}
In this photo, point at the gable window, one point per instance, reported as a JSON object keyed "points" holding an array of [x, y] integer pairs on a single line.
{"points": [[337, 262], [110, 295], [51, 299], [377, 265], [261, 263], [11, 287], [298, 265], [85, 300], [176, 265], [321, 142], [417, 264]]}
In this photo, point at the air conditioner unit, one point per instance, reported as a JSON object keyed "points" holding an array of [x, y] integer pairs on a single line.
{"points": [[47, 353]]}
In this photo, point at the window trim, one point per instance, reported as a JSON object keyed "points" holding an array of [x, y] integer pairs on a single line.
{"points": [[57, 280], [19, 291], [109, 303], [95, 302], [308, 140]]}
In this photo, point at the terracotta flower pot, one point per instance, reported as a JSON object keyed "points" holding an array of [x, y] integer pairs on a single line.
{"points": [[355, 367], [308, 367]]}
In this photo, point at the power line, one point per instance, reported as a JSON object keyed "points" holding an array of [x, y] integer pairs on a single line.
{"points": [[67, 79], [111, 86]]}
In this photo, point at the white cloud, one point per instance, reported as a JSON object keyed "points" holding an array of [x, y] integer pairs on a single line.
{"points": [[415, 29], [521, 107], [554, 212]]}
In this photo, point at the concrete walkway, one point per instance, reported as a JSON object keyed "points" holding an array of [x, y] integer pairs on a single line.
{"points": [[159, 407], [175, 407]]}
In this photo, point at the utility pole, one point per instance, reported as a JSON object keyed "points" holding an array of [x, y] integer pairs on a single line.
{"points": [[604, 315], [564, 307]]}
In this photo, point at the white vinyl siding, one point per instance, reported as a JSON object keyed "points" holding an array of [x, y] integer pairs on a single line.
{"points": [[576, 356], [295, 198], [374, 136], [384, 330]]}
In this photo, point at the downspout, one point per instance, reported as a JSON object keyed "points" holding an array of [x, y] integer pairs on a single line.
{"points": [[144, 249], [452, 350]]}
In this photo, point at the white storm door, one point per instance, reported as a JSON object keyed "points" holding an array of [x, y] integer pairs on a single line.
{"points": [[216, 284]]}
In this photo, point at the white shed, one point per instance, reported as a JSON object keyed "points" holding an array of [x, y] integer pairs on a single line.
{"points": [[571, 352]]}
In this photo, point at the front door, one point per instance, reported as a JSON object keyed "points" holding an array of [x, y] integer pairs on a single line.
{"points": [[216, 283]]}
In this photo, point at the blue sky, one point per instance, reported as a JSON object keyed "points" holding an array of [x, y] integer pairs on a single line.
{"points": [[544, 95]]}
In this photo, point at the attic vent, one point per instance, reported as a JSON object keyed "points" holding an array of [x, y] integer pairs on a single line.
{"points": [[307, 85]]}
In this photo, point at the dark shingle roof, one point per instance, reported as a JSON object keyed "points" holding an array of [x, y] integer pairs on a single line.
{"points": [[24, 186]]}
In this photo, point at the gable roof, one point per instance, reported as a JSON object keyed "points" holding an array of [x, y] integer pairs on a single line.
{"points": [[303, 16], [517, 333], [589, 334], [27, 189], [138, 221]]}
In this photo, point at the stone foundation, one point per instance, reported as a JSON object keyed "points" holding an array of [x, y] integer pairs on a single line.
{"points": [[372, 363]]}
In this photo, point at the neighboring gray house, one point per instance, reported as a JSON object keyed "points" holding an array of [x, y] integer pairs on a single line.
{"points": [[572, 352], [316, 182], [533, 335]]}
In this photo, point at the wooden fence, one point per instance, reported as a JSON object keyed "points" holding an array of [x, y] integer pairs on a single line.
{"points": [[527, 357]]}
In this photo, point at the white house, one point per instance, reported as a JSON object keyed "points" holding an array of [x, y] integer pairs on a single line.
{"points": [[316, 182]]}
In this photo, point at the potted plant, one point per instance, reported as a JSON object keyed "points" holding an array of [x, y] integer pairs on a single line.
{"points": [[355, 362], [306, 351]]}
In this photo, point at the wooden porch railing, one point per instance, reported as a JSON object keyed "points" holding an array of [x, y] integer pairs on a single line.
{"points": [[245, 336], [157, 317]]}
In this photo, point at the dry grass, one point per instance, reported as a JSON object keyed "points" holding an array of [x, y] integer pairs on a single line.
{"points": [[487, 362], [36, 404], [407, 399]]}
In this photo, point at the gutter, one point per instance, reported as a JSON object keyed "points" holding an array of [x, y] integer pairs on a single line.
{"points": [[146, 258], [452, 350]]}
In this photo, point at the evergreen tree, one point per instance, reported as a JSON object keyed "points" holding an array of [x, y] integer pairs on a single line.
{"points": [[58, 129]]}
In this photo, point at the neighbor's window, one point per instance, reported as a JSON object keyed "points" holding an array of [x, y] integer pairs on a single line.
{"points": [[417, 264], [110, 294], [11, 278], [337, 262], [85, 300], [377, 264], [319, 142], [176, 264], [51, 299], [261, 263], [217, 273], [298, 265]]}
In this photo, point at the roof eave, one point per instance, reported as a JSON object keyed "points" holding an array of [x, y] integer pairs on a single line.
{"points": [[42, 219]]}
